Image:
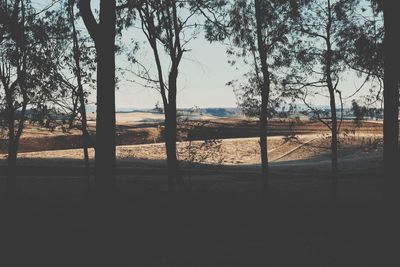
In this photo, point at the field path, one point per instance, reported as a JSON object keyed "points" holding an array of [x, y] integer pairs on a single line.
{"points": [[293, 149]]}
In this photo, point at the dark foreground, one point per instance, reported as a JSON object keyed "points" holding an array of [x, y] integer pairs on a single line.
{"points": [[221, 221]]}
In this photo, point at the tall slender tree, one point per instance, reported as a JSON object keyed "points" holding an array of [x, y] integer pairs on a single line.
{"points": [[321, 60], [76, 47], [258, 31], [167, 26]]}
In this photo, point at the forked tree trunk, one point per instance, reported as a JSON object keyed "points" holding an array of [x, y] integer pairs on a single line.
{"points": [[169, 98]]}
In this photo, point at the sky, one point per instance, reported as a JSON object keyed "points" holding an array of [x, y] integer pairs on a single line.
{"points": [[203, 74]]}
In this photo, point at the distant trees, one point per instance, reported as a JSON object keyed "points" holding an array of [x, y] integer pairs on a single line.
{"points": [[359, 112], [103, 34]]}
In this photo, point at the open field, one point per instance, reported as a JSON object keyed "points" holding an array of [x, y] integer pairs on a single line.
{"points": [[234, 151], [138, 129]]}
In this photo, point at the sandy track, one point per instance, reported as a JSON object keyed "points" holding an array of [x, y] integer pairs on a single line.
{"points": [[237, 151]]}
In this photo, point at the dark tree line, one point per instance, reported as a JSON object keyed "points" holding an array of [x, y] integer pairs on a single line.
{"points": [[292, 48]]}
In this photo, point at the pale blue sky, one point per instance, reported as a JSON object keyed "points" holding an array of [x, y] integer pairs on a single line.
{"points": [[204, 72]]}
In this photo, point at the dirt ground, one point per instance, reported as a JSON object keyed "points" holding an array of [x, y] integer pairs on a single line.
{"points": [[138, 128]]}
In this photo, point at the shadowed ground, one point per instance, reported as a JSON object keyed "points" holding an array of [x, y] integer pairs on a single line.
{"points": [[222, 219]]}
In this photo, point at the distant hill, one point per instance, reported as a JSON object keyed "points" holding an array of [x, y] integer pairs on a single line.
{"points": [[222, 112], [216, 112]]}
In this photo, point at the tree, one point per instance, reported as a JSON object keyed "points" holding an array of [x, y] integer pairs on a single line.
{"points": [[373, 45], [391, 100], [165, 28], [80, 92], [358, 111], [103, 34], [26, 60], [321, 60], [258, 31]]}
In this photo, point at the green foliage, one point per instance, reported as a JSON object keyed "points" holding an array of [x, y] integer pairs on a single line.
{"points": [[240, 30]]}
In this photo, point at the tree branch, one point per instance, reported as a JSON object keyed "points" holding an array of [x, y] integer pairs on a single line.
{"points": [[88, 18]]}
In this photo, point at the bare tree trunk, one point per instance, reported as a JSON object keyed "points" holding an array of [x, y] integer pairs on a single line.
{"points": [[174, 175], [14, 136], [334, 138], [85, 145], [265, 89], [74, 113], [105, 119], [13, 143], [170, 145], [391, 102], [11, 183], [391, 184], [103, 34]]}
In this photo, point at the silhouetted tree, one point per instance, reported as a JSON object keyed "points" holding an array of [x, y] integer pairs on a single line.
{"points": [[165, 25], [391, 100], [26, 40], [358, 111], [103, 34], [321, 59], [258, 31]]}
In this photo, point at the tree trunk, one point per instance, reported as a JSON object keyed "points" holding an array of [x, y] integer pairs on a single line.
{"points": [[105, 188], [391, 102], [12, 153], [391, 162], [334, 138], [11, 183], [73, 115], [170, 145], [265, 89], [85, 145], [174, 175], [81, 96], [332, 100]]}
